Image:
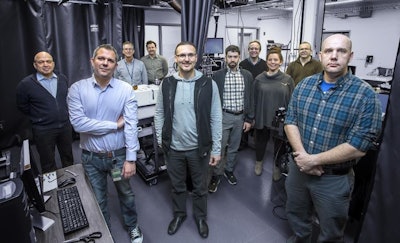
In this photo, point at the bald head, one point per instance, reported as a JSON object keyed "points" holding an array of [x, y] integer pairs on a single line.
{"points": [[335, 56], [44, 64], [338, 38]]}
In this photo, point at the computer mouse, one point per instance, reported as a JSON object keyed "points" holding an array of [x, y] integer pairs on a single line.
{"points": [[67, 182]]}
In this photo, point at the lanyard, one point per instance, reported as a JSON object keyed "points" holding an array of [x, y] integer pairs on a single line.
{"points": [[127, 69]]}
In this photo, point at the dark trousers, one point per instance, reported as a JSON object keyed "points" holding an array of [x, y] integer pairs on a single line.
{"points": [[261, 137], [180, 163], [46, 142]]}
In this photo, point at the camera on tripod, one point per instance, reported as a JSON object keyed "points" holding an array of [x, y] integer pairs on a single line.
{"points": [[279, 120]]}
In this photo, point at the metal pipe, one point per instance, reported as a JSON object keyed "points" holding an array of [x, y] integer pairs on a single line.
{"points": [[175, 4]]}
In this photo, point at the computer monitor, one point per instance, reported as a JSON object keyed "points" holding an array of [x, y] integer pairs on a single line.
{"points": [[214, 46], [31, 178]]}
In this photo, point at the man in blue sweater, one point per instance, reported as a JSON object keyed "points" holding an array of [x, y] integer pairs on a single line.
{"points": [[42, 97]]}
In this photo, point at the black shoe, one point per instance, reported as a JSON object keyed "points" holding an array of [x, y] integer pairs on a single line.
{"points": [[202, 227], [213, 186], [230, 177], [175, 224]]}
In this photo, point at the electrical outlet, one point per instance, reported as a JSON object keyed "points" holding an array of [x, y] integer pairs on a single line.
{"points": [[369, 59]]}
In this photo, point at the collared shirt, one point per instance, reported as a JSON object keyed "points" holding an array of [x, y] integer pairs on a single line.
{"points": [[133, 72], [94, 112], [233, 96], [298, 72], [350, 113], [157, 67], [50, 84]]}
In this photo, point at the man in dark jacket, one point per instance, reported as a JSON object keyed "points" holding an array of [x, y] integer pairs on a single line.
{"points": [[42, 97], [188, 126], [235, 89]]}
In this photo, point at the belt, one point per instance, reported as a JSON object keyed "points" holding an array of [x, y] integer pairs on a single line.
{"points": [[108, 154], [233, 112], [336, 171]]}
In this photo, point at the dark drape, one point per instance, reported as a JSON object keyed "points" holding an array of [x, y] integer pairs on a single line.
{"points": [[114, 29], [133, 29], [72, 33], [381, 221], [17, 45], [195, 16]]}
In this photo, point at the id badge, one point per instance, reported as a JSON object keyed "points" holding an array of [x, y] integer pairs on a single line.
{"points": [[116, 174]]}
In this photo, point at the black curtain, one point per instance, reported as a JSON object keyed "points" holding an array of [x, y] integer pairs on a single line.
{"points": [[73, 31], [18, 44], [381, 221], [114, 29], [133, 29], [195, 16], [70, 32]]}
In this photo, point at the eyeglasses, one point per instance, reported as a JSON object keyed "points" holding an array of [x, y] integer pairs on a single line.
{"points": [[304, 49], [189, 55]]}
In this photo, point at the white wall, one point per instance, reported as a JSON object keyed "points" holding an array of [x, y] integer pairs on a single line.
{"points": [[377, 36], [162, 16], [275, 29]]}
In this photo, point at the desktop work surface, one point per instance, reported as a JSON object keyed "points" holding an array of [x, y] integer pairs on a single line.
{"points": [[92, 210]]}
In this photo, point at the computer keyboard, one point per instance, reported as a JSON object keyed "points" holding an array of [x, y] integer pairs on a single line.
{"points": [[382, 78], [72, 214]]}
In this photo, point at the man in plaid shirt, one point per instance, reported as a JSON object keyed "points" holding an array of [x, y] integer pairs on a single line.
{"points": [[333, 119]]}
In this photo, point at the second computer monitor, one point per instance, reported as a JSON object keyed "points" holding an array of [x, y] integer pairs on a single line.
{"points": [[214, 46]]}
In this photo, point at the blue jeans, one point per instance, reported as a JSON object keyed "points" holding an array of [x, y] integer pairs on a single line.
{"points": [[97, 169], [329, 195]]}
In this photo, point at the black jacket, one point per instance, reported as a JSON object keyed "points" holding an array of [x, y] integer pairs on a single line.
{"points": [[202, 105], [43, 110]]}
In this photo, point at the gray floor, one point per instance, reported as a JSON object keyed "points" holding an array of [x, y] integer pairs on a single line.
{"points": [[250, 212]]}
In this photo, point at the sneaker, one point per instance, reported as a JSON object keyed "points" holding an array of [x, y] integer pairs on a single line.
{"points": [[258, 168], [230, 177], [136, 235], [213, 186]]}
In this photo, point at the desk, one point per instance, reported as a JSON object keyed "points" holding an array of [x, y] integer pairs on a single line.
{"points": [[92, 210], [378, 81]]}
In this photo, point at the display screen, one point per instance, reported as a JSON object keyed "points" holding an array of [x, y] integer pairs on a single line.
{"points": [[214, 46]]}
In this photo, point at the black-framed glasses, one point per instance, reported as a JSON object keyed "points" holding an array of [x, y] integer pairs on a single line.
{"points": [[189, 55]]}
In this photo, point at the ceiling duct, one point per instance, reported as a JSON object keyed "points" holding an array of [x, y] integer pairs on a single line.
{"points": [[175, 4]]}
